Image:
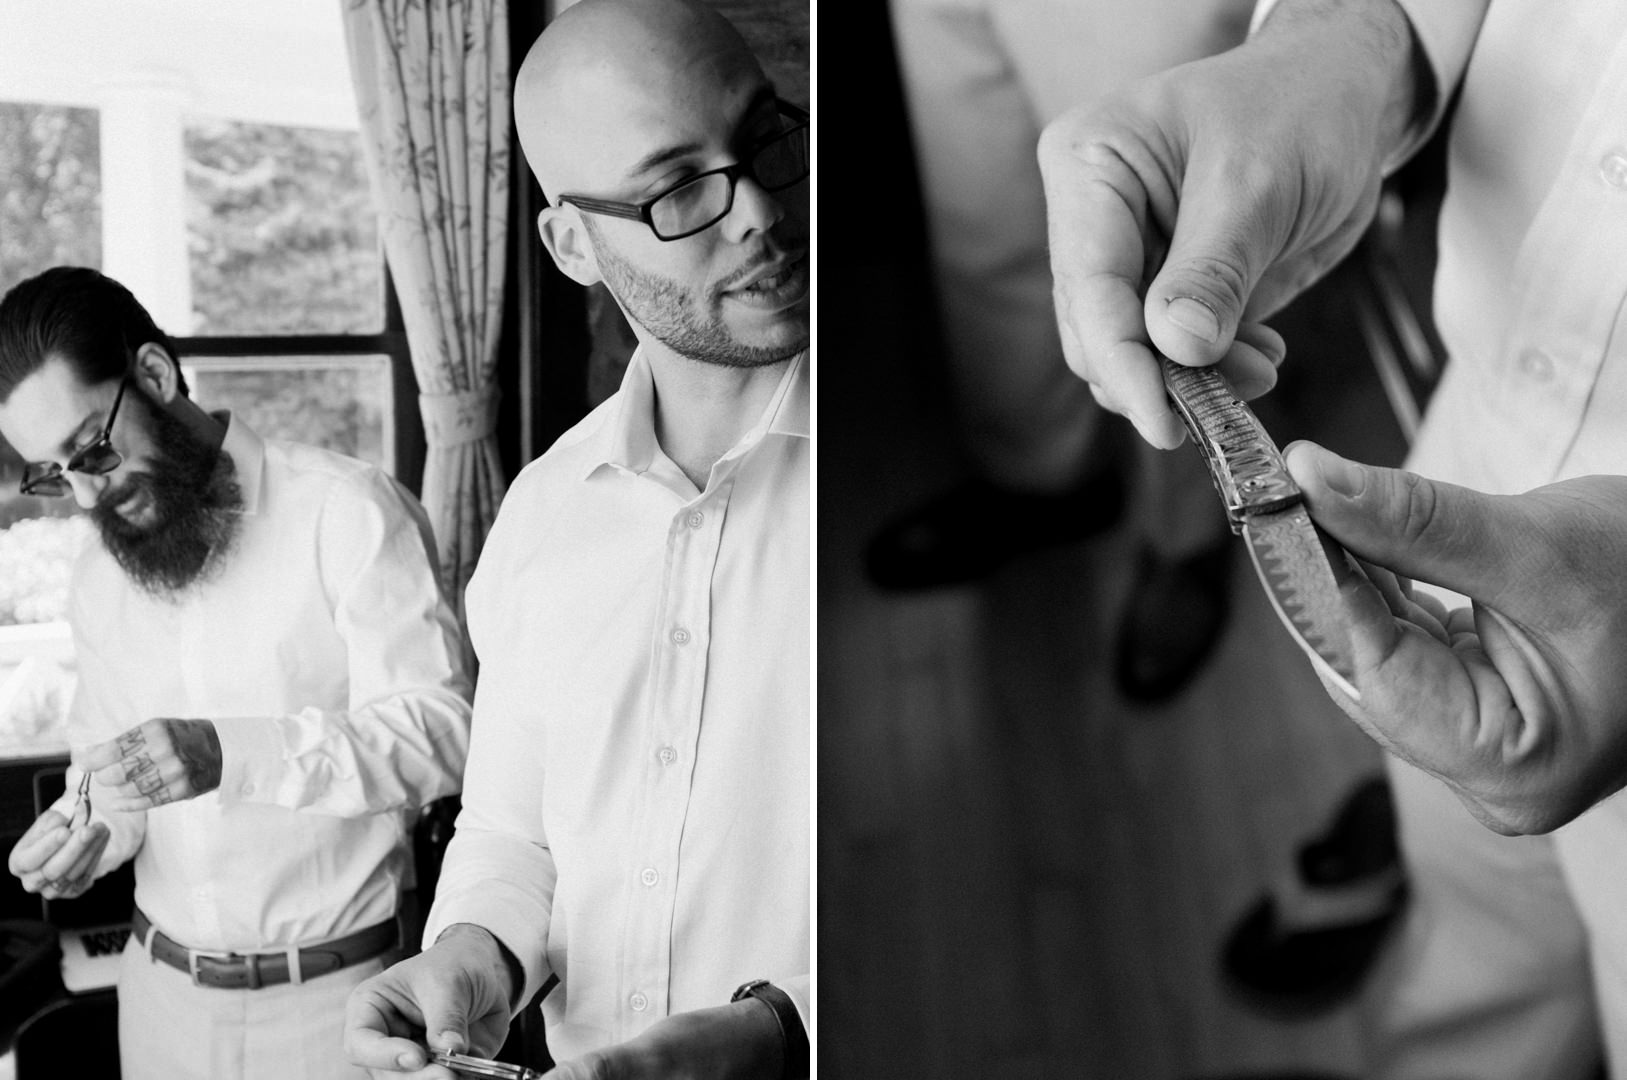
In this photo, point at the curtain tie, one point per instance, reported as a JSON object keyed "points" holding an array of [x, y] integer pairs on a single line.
{"points": [[454, 419]]}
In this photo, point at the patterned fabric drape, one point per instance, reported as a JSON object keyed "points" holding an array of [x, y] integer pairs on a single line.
{"points": [[433, 87]]}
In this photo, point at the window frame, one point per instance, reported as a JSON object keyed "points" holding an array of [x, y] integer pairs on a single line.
{"points": [[405, 454]]}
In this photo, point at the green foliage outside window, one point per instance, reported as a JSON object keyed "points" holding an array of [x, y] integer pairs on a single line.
{"points": [[281, 233], [50, 189]]}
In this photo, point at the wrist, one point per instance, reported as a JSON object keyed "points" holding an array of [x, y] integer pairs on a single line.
{"points": [[487, 951], [1367, 51]]}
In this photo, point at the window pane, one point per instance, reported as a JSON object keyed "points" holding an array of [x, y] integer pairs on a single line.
{"points": [[343, 403], [50, 214], [50, 189], [281, 232]]}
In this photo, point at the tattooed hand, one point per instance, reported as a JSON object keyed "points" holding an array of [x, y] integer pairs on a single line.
{"points": [[161, 761]]}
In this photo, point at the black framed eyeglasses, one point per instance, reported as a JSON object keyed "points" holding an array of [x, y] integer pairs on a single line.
{"points": [[95, 458], [701, 201]]}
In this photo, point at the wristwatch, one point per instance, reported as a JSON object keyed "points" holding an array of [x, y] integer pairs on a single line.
{"points": [[793, 1036]]}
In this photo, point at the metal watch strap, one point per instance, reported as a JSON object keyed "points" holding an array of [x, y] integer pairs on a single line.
{"points": [[793, 1036]]}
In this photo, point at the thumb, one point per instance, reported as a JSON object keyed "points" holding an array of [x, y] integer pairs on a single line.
{"points": [[1423, 529], [446, 1019], [1196, 301]]}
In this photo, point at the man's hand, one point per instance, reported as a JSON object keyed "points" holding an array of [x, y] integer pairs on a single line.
{"points": [[1195, 203], [453, 996], [56, 861], [158, 762], [740, 1041], [1519, 703]]}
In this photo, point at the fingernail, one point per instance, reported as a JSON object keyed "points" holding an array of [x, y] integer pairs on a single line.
{"points": [[410, 1060], [1344, 477], [1195, 317]]}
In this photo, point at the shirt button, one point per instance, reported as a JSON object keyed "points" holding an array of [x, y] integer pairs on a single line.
{"points": [[680, 636], [649, 876], [639, 1002], [694, 519], [1614, 169], [667, 755], [1536, 365]]}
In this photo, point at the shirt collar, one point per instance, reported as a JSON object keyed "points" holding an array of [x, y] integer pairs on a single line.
{"points": [[630, 436], [248, 454]]}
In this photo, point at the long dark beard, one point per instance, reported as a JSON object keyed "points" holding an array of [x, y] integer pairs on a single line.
{"points": [[196, 501]]}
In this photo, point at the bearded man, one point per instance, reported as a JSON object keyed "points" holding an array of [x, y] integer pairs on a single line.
{"points": [[635, 833], [269, 679]]}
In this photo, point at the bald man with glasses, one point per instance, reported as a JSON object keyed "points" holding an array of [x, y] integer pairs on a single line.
{"points": [[635, 835]]}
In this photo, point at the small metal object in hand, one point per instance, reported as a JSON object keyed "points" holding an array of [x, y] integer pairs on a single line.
{"points": [[464, 1065], [1300, 566], [81, 802]]}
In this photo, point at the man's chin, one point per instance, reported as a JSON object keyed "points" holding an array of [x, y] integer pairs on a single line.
{"points": [[780, 333]]}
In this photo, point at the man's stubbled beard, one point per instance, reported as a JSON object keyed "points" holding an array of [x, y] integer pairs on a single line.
{"points": [[686, 319], [196, 501]]}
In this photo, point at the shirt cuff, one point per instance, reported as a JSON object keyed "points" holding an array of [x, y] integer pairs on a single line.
{"points": [[251, 749], [1445, 30], [481, 883]]}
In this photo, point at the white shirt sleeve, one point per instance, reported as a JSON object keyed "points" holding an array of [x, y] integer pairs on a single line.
{"points": [[403, 741], [499, 872]]}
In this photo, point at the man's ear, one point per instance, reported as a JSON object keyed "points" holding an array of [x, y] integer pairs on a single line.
{"points": [[567, 240], [157, 372]]}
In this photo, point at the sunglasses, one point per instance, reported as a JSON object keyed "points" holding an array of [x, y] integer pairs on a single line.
{"points": [[95, 458]]}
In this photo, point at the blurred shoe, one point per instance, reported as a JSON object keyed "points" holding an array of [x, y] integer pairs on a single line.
{"points": [[976, 527], [1305, 947], [1172, 621]]}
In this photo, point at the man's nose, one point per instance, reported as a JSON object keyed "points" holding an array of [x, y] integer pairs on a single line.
{"points": [[87, 489], [755, 209]]}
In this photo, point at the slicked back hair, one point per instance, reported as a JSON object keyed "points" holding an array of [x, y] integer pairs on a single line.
{"points": [[79, 314]]}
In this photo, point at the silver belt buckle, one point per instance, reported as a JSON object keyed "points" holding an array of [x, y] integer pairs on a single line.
{"points": [[194, 955]]}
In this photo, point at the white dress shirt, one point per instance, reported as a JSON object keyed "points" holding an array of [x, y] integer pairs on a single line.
{"points": [[332, 668], [1531, 290], [636, 810]]}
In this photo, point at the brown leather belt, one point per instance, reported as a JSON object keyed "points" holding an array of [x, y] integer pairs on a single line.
{"points": [[250, 971]]}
